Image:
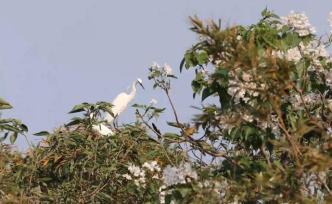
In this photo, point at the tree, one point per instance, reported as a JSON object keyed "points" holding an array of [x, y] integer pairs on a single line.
{"points": [[265, 137]]}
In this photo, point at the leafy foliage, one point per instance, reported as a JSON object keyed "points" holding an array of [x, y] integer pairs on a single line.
{"points": [[10, 127], [266, 137]]}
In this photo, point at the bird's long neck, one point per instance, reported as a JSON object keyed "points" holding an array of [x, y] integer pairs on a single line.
{"points": [[133, 90]]}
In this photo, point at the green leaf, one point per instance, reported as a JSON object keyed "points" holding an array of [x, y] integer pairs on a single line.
{"points": [[74, 121], [248, 131], [207, 92], [183, 61], [4, 104], [13, 137], [202, 57], [10, 128], [79, 108], [221, 72], [264, 12], [196, 86], [42, 133], [174, 124], [46, 179], [171, 136], [24, 128]]}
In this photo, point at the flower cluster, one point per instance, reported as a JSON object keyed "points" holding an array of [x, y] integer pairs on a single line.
{"points": [[272, 123], [165, 70], [311, 183], [153, 102], [298, 102], [175, 175], [178, 175], [299, 22], [243, 88], [313, 50], [293, 55], [138, 175], [161, 75], [152, 166]]}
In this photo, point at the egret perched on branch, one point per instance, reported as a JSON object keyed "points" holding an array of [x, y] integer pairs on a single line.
{"points": [[120, 103]]}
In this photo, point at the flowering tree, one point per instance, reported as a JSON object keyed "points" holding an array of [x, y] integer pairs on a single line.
{"points": [[266, 136]]}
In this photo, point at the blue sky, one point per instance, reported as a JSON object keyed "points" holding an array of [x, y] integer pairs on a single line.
{"points": [[55, 54]]}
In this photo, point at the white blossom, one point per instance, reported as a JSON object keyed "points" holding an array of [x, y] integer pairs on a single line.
{"points": [[152, 166], [127, 176], [153, 102], [248, 118], [299, 22], [155, 65], [243, 88], [178, 175], [167, 69], [162, 194], [135, 170], [293, 55], [138, 173], [315, 50]]}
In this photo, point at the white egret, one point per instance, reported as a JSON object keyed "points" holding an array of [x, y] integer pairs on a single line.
{"points": [[120, 104]]}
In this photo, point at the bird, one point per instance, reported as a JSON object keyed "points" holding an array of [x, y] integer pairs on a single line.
{"points": [[121, 101], [119, 104]]}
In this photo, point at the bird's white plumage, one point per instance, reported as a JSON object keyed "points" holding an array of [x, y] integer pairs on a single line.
{"points": [[102, 129], [120, 103]]}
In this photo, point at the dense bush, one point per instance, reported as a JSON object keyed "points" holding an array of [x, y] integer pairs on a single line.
{"points": [[264, 137]]}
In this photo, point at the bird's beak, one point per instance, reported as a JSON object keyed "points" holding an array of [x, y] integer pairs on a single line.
{"points": [[141, 85]]}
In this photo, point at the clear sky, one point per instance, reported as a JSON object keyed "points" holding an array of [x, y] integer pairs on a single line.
{"points": [[55, 54]]}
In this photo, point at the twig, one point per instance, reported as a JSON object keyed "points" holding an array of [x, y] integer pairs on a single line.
{"points": [[157, 133], [173, 108], [295, 148], [262, 148]]}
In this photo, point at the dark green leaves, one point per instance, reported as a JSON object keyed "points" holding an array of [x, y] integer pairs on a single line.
{"points": [[268, 14], [75, 121], [42, 133], [80, 107], [10, 126], [91, 113], [207, 92], [193, 58], [202, 57]]}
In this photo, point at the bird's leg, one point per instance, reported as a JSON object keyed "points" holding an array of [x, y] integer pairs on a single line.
{"points": [[115, 122]]}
